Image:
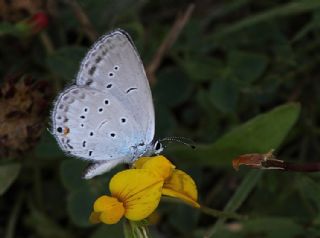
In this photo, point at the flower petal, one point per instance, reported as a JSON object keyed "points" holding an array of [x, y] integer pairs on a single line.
{"points": [[108, 217], [109, 208], [181, 185], [157, 164], [139, 190], [140, 162]]}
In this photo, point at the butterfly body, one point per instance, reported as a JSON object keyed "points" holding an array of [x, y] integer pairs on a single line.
{"points": [[107, 117]]}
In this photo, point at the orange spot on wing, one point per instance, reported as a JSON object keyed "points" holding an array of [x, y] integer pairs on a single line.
{"points": [[66, 131]]}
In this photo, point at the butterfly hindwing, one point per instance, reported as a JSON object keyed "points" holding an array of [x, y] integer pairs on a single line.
{"points": [[93, 125]]}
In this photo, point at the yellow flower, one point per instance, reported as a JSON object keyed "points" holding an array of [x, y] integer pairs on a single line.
{"points": [[135, 194], [181, 185], [159, 165], [107, 209], [177, 183]]}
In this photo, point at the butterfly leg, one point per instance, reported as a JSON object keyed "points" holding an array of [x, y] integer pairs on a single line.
{"points": [[101, 167]]}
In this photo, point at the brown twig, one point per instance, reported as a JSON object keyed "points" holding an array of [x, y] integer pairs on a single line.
{"points": [[83, 19], [268, 161], [46, 41], [289, 166], [168, 41]]}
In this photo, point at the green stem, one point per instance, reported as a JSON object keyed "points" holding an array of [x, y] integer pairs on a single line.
{"points": [[285, 10], [243, 191], [137, 229], [210, 211], [221, 214]]}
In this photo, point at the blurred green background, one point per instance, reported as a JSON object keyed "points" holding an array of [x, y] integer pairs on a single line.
{"points": [[241, 77]]}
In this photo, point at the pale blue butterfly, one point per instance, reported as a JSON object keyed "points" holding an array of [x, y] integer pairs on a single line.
{"points": [[107, 117]]}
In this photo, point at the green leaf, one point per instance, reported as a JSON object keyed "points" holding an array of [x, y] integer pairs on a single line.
{"points": [[291, 8], [247, 66], [80, 205], [71, 173], [224, 94], [310, 189], [82, 192], [65, 61], [202, 68], [48, 147], [275, 227], [311, 25], [174, 83], [165, 121], [185, 218], [9, 29], [258, 135], [270, 227], [108, 231], [8, 174], [246, 186], [44, 226]]}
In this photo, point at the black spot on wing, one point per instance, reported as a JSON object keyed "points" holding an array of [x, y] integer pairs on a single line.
{"points": [[131, 89], [68, 144], [89, 82], [92, 70], [98, 59]]}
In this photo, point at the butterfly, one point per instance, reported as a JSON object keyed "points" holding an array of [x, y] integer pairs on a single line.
{"points": [[107, 116]]}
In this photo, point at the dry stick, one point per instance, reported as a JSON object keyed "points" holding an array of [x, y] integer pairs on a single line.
{"points": [[166, 44], [83, 19], [46, 41], [268, 161], [289, 166]]}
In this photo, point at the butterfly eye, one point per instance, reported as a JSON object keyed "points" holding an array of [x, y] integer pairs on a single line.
{"points": [[158, 146]]}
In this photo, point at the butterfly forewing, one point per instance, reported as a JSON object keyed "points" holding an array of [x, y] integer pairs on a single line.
{"points": [[108, 115], [114, 67]]}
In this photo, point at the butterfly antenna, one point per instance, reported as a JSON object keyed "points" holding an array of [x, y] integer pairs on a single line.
{"points": [[185, 141]]}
